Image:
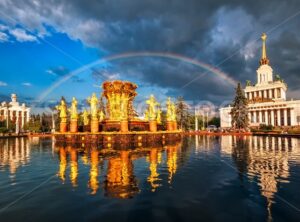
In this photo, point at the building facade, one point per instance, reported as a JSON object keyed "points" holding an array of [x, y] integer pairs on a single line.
{"points": [[16, 113], [267, 101]]}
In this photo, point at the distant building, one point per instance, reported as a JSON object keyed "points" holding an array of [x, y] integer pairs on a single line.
{"points": [[267, 99], [18, 114]]}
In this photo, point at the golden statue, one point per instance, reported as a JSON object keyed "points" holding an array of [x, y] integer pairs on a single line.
{"points": [[169, 109], [85, 116], [173, 108], [73, 109], [158, 117], [62, 108], [94, 103], [152, 107], [146, 115], [101, 116], [124, 106]]}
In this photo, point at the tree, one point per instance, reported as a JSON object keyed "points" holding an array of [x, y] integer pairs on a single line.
{"points": [[239, 111], [182, 113], [215, 121]]}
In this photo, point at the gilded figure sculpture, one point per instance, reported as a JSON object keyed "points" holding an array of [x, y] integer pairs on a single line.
{"points": [[85, 116], [171, 110], [101, 116], [158, 117], [62, 108], [73, 109], [93, 101], [152, 111]]}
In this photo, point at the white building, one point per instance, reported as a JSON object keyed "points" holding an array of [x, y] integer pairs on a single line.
{"points": [[267, 99], [13, 111]]}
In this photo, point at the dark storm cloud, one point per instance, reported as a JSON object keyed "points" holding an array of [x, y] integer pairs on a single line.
{"points": [[210, 31]]}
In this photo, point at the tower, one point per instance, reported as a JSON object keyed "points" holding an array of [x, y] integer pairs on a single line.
{"points": [[264, 72]]}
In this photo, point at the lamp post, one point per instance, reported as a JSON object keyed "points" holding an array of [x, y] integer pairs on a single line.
{"points": [[196, 120]]}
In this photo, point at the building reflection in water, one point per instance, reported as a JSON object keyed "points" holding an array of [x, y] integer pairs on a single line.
{"points": [[14, 153], [119, 179], [264, 158]]}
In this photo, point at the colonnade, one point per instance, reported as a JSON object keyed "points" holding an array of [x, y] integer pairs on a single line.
{"points": [[275, 93], [275, 117]]}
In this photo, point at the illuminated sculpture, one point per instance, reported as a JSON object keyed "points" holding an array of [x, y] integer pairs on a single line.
{"points": [[62, 108], [93, 101], [117, 113], [119, 106], [74, 116], [101, 116], [158, 117], [152, 113], [152, 110], [85, 116], [171, 115]]}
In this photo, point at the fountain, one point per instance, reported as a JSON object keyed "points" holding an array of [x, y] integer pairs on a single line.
{"points": [[116, 121]]}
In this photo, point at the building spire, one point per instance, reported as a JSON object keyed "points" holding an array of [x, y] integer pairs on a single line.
{"points": [[264, 59]]}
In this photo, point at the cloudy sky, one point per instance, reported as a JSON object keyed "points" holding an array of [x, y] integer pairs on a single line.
{"points": [[195, 49]]}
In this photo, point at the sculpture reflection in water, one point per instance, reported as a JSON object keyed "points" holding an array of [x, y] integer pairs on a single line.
{"points": [[154, 159], [119, 179]]}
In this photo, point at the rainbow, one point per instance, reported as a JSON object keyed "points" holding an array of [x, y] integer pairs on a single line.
{"points": [[127, 55]]}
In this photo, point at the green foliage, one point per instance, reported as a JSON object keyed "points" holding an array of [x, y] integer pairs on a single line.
{"points": [[215, 121], [33, 125], [294, 131], [239, 112], [265, 127], [3, 130], [182, 114], [39, 123]]}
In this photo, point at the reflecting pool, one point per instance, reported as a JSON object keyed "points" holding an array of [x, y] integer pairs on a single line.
{"points": [[200, 178]]}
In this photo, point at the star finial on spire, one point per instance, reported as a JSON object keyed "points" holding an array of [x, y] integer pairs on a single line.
{"points": [[264, 59]]}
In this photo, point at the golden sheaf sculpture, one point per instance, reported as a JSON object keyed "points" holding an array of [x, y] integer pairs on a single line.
{"points": [[119, 96]]}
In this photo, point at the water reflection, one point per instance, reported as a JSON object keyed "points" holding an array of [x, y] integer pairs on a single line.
{"points": [[266, 163], [263, 158], [155, 158], [120, 180], [14, 153]]}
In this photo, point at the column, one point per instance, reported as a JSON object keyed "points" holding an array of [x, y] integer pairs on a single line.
{"points": [[285, 117], [17, 122], [259, 93], [260, 116], [278, 117], [23, 118], [275, 93], [254, 117], [250, 96], [28, 116], [266, 117], [292, 115], [250, 117], [266, 94], [272, 118]]}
